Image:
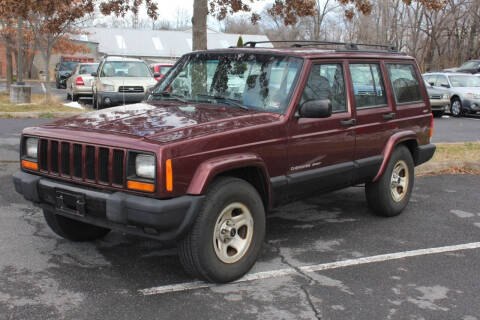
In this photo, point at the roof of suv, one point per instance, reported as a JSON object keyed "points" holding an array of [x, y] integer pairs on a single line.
{"points": [[312, 52]]}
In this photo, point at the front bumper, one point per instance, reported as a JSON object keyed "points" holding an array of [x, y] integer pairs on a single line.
{"points": [[115, 98], [471, 105], [167, 219]]}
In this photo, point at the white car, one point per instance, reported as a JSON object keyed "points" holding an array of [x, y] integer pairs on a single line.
{"points": [[80, 82], [121, 80]]}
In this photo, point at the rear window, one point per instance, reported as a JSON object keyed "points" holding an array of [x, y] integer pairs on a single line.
{"points": [[404, 82]]}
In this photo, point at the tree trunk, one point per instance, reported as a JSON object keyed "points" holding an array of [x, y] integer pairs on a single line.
{"points": [[8, 57], [199, 25], [46, 58]]}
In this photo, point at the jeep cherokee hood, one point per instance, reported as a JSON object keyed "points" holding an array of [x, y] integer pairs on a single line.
{"points": [[165, 122]]}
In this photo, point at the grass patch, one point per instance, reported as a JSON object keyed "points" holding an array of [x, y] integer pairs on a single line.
{"points": [[469, 151], [38, 104]]}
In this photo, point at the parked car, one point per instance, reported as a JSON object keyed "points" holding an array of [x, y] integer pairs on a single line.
{"points": [[121, 80], [80, 82], [439, 99], [471, 66], [203, 164], [63, 71], [160, 70], [464, 91]]}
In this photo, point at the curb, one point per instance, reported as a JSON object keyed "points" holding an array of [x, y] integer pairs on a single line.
{"points": [[36, 115]]}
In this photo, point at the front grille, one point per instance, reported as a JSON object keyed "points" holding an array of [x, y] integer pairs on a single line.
{"points": [[130, 89], [434, 96], [90, 163]]}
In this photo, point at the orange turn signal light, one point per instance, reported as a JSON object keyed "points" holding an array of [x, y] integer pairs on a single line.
{"points": [[169, 175], [29, 165], [140, 186]]}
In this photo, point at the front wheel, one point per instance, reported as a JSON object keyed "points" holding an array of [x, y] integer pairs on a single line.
{"points": [[72, 229], [228, 233], [389, 195], [456, 107]]}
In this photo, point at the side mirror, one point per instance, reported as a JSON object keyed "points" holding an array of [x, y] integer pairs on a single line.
{"points": [[157, 75], [445, 85], [93, 74], [431, 84], [316, 109]]}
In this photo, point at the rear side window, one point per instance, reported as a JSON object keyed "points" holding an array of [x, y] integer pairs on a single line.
{"points": [[404, 82], [368, 87], [326, 81]]}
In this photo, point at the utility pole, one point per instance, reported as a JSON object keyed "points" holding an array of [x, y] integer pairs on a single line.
{"points": [[19, 92], [20, 51]]}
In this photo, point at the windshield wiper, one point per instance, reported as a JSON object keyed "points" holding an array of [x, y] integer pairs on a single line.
{"points": [[224, 99], [169, 95]]}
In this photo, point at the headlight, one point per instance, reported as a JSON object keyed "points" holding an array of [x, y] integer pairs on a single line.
{"points": [[31, 148], [145, 166], [108, 87], [446, 97]]}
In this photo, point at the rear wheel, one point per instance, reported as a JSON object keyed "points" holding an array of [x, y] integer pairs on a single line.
{"points": [[74, 97], [389, 195], [72, 229], [456, 107], [227, 235]]}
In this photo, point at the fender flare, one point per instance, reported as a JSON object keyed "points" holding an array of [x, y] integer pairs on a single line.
{"points": [[392, 142], [211, 168]]}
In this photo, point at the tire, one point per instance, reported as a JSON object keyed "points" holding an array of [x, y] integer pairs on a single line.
{"points": [[382, 197], [72, 229], [201, 252], [438, 114], [69, 96], [74, 97], [57, 84], [456, 107]]}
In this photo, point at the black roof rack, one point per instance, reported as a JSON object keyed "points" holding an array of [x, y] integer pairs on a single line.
{"points": [[349, 46]]}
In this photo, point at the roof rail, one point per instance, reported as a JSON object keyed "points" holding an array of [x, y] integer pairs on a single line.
{"points": [[350, 46]]}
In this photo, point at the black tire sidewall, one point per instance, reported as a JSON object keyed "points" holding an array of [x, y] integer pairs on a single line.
{"points": [[393, 207], [211, 267]]}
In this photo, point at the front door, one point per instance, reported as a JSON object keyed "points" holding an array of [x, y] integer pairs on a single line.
{"points": [[320, 151]]}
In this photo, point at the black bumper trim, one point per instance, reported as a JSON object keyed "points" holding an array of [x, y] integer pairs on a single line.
{"points": [[424, 153], [171, 218]]}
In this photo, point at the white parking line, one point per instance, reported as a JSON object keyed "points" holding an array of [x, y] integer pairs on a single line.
{"points": [[186, 286]]}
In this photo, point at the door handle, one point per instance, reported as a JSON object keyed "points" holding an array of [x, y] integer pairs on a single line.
{"points": [[348, 122], [389, 116]]}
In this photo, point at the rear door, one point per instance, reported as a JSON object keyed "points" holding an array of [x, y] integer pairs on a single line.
{"points": [[375, 116], [320, 151]]}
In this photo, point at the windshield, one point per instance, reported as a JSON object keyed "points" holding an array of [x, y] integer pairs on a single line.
{"points": [[67, 66], [125, 69], [253, 81], [470, 65], [88, 68], [464, 81]]}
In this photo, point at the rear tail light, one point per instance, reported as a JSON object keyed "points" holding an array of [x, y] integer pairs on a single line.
{"points": [[79, 81], [431, 125]]}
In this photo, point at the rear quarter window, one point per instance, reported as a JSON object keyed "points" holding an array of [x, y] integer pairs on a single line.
{"points": [[405, 84]]}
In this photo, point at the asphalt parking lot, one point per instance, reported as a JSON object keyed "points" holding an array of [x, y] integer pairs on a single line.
{"points": [[326, 257]]}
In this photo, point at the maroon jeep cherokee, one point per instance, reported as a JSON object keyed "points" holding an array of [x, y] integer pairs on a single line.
{"points": [[228, 135]]}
